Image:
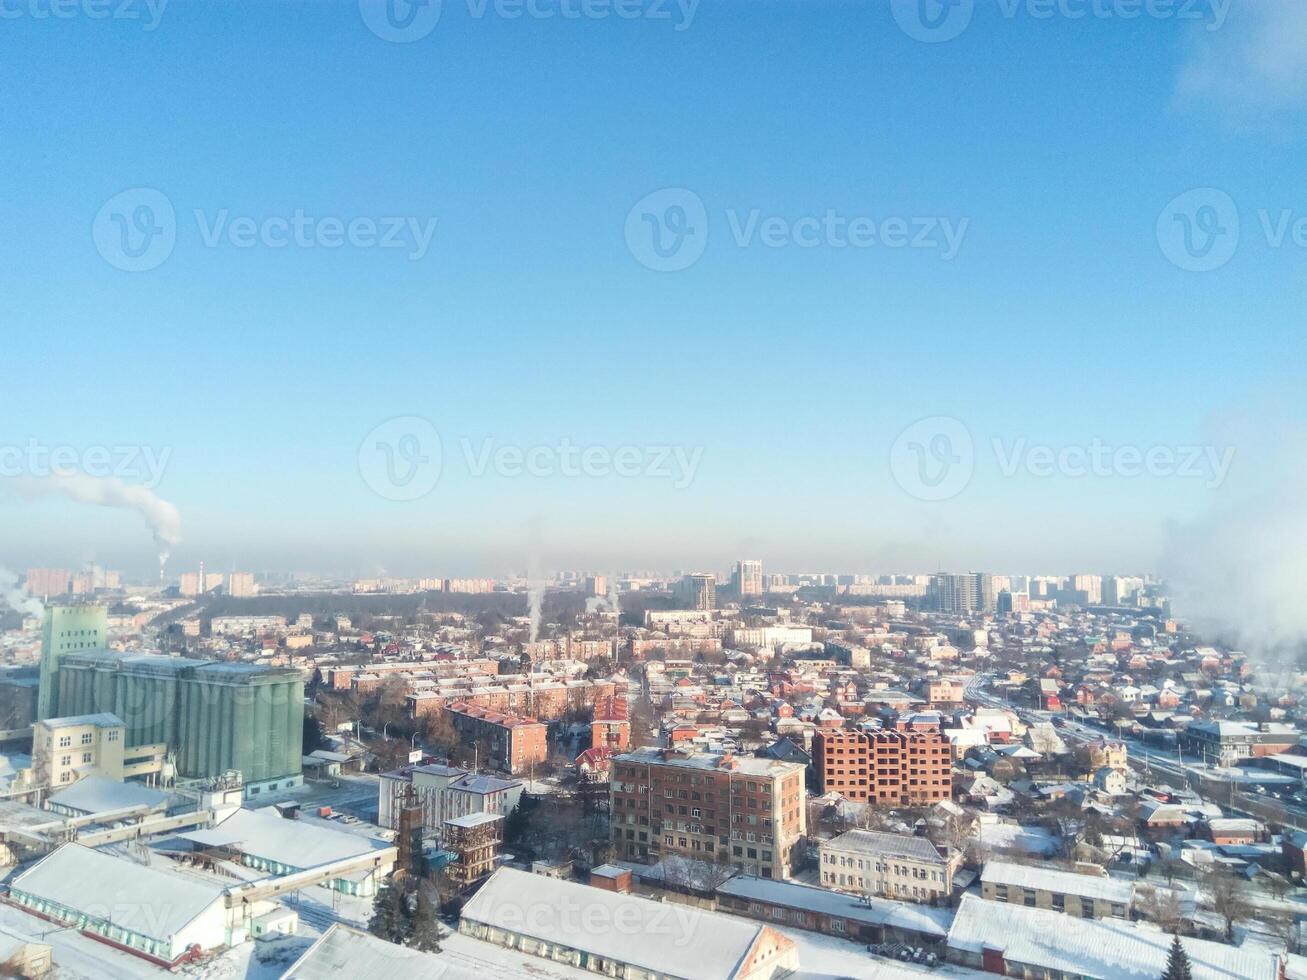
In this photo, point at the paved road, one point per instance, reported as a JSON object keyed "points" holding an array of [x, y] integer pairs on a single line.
{"points": [[1143, 758]]}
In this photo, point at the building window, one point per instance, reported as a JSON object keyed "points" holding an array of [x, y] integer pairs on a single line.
{"points": [[87, 738], [86, 757], [65, 741], [113, 735]]}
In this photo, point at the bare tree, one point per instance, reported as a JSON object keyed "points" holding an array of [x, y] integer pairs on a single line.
{"points": [[1229, 899], [1277, 885], [1284, 926], [1159, 905]]}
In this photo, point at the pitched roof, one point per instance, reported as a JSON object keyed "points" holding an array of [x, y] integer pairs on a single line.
{"points": [[909, 916], [663, 939], [145, 900], [345, 952], [1062, 882], [100, 794], [266, 834], [886, 845], [1095, 947]]}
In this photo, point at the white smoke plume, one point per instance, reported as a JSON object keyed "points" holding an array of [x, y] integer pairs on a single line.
{"points": [[1240, 575], [610, 603], [15, 596], [535, 597], [160, 516]]}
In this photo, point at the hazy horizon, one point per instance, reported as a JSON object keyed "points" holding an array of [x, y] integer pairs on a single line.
{"points": [[793, 282]]}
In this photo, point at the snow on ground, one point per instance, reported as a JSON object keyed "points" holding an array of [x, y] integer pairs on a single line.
{"points": [[265, 960], [1014, 837], [77, 957]]}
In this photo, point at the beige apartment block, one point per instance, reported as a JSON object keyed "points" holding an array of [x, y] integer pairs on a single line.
{"points": [[897, 866], [65, 750]]}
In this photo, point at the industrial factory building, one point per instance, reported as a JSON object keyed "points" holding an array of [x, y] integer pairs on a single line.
{"points": [[155, 914], [211, 716], [264, 840], [618, 935]]}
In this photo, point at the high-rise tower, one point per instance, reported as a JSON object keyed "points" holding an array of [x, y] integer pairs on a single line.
{"points": [[66, 629]]}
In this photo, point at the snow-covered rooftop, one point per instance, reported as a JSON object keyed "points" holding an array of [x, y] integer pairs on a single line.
{"points": [[99, 794], [661, 938], [1061, 882], [346, 952], [145, 900], [1095, 947], [908, 916], [887, 845], [266, 834]]}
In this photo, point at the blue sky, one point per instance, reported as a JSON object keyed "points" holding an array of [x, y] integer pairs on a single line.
{"points": [[529, 320]]}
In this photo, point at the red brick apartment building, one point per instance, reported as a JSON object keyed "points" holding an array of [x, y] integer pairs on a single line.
{"points": [[513, 743], [611, 727], [903, 766], [747, 812]]}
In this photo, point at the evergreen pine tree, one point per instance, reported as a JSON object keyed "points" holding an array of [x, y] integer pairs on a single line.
{"points": [[389, 913], [1177, 962], [425, 927]]}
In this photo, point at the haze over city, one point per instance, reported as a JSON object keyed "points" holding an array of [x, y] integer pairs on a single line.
{"points": [[257, 371], [687, 489]]}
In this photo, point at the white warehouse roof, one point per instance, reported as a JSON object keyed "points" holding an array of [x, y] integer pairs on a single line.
{"points": [[659, 937], [99, 794], [345, 952], [296, 843], [150, 902]]}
